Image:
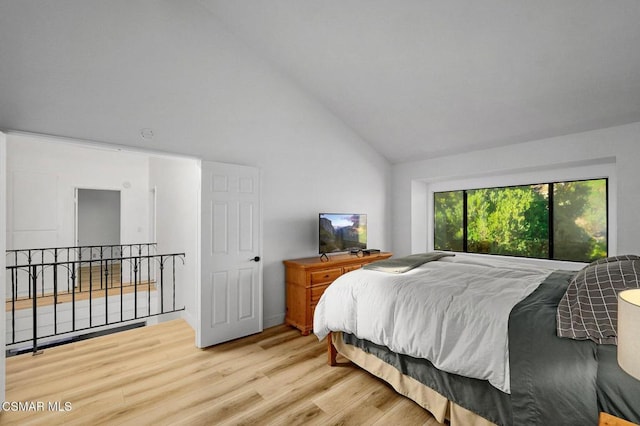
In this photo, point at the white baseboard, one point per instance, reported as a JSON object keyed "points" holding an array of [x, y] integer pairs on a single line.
{"points": [[273, 321], [186, 315]]}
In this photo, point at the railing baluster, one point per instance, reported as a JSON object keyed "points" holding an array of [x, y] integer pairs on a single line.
{"points": [[110, 284], [14, 291], [68, 258], [73, 296], [101, 257], [106, 293], [29, 259], [34, 277], [135, 288], [16, 264], [148, 281], [161, 290], [130, 264], [42, 269], [79, 273], [37, 269], [121, 290], [55, 291], [90, 288], [173, 259]]}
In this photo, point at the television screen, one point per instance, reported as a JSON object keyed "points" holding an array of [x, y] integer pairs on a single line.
{"points": [[342, 232]]}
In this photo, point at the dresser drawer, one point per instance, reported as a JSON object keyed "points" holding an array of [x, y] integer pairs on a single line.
{"points": [[316, 292], [325, 276], [351, 268]]}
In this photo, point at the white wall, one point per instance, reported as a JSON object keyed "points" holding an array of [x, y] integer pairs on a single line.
{"points": [[3, 247], [612, 152], [205, 94], [325, 168], [42, 176], [176, 182]]}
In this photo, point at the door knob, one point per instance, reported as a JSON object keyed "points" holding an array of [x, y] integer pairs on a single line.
{"points": [[255, 259]]}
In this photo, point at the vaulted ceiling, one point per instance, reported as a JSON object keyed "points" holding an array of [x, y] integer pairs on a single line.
{"points": [[413, 78], [422, 78]]}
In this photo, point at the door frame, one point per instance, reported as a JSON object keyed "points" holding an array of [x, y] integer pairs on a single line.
{"points": [[76, 217], [197, 159]]}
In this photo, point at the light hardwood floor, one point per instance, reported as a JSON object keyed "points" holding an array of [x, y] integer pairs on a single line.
{"points": [[68, 297], [155, 375]]}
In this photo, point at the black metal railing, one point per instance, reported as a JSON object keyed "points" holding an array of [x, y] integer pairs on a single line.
{"points": [[62, 290]]}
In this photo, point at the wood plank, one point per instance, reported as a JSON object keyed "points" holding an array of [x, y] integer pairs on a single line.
{"points": [[156, 375], [67, 297], [406, 412]]}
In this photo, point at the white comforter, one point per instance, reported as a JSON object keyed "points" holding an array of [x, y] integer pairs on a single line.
{"points": [[453, 312]]}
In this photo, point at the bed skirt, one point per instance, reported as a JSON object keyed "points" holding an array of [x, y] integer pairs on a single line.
{"points": [[439, 406]]}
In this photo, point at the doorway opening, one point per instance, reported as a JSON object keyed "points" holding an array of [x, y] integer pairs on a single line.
{"points": [[98, 226]]}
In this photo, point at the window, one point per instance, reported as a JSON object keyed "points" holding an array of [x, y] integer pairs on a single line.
{"points": [[559, 221]]}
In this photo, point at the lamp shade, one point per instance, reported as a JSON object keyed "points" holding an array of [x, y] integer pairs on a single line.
{"points": [[629, 331]]}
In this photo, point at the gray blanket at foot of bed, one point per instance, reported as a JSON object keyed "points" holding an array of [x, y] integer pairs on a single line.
{"points": [[553, 380]]}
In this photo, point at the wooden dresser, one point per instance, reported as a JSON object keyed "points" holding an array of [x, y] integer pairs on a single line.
{"points": [[307, 278], [609, 420]]}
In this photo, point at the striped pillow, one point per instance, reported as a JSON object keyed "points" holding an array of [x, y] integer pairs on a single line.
{"points": [[589, 308]]}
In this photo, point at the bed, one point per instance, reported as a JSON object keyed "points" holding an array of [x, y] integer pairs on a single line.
{"points": [[476, 342]]}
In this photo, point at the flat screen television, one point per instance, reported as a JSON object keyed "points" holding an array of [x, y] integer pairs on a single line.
{"points": [[339, 232]]}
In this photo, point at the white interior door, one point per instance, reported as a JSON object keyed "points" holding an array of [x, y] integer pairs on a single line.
{"points": [[231, 242]]}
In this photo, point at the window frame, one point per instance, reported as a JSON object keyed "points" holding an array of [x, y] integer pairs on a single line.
{"points": [[550, 206]]}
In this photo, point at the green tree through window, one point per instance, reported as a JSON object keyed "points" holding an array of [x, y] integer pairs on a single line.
{"points": [[580, 220], [448, 218], [562, 220], [510, 221]]}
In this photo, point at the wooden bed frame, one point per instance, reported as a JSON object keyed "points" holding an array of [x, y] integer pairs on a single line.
{"points": [[332, 352], [423, 395], [440, 407]]}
